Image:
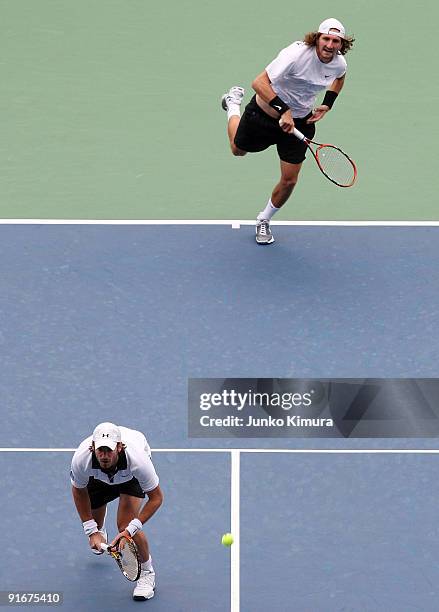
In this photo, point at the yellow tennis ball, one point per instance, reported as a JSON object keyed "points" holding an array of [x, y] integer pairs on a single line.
{"points": [[227, 539]]}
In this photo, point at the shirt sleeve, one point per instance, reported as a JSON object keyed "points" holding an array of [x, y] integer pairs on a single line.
{"points": [[77, 476], [283, 63], [144, 471], [343, 68]]}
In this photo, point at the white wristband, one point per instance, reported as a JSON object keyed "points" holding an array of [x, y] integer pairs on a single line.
{"points": [[134, 526], [90, 527]]}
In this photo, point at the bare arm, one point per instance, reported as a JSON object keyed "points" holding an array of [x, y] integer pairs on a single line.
{"points": [[82, 503], [155, 500], [319, 112], [263, 88], [337, 85], [83, 506]]}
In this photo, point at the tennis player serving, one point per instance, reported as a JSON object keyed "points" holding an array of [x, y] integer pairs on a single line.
{"points": [[115, 462], [285, 97]]}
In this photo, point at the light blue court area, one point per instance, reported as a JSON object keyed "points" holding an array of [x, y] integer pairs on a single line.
{"points": [[336, 533], [107, 323], [46, 548]]}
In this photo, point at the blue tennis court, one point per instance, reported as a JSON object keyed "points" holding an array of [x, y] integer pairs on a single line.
{"points": [[114, 320], [319, 533], [339, 532], [103, 322], [50, 552]]}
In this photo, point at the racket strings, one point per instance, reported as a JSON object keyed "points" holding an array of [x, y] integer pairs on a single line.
{"points": [[129, 560], [336, 165]]}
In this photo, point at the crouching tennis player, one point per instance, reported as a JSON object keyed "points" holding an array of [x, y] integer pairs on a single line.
{"points": [[115, 462]]}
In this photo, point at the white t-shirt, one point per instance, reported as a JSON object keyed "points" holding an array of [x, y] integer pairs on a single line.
{"points": [[134, 461], [297, 75]]}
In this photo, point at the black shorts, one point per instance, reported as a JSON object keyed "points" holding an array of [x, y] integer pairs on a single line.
{"points": [[257, 131], [101, 493]]}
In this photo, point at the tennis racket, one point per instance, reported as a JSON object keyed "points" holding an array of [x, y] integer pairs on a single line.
{"points": [[332, 161], [126, 556]]}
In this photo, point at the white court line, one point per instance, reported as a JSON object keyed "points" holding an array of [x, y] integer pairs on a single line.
{"points": [[297, 451], [36, 450], [235, 530], [235, 454], [234, 223]]}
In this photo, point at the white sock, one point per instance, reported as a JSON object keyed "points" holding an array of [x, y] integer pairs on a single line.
{"points": [[268, 211], [233, 110], [147, 565]]}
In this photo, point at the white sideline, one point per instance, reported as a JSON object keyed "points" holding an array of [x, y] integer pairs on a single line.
{"points": [[235, 455], [234, 223]]}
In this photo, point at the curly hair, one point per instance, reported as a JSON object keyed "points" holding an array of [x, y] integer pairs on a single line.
{"points": [[311, 39]]}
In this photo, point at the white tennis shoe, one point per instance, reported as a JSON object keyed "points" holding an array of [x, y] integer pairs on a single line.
{"points": [[263, 232], [145, 586], [233, 96]]}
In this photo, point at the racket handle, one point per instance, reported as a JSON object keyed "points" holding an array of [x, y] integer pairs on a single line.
{"points": [[105, 547], [298, 134]]}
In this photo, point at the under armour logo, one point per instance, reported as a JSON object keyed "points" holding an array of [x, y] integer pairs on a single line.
{"points": [[105, 435]]}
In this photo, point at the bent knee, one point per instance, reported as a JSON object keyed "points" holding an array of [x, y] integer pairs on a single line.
{"points": [[236, 151], [288, 182], [123, 522]]}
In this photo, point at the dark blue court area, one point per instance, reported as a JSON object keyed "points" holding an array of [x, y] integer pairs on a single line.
{"points": [[339, 533], [104, 323], [47, 548], [108, 323], [320, 533]]}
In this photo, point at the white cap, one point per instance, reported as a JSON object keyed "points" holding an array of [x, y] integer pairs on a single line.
{"points": [[332, 24], [106, 434]]}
